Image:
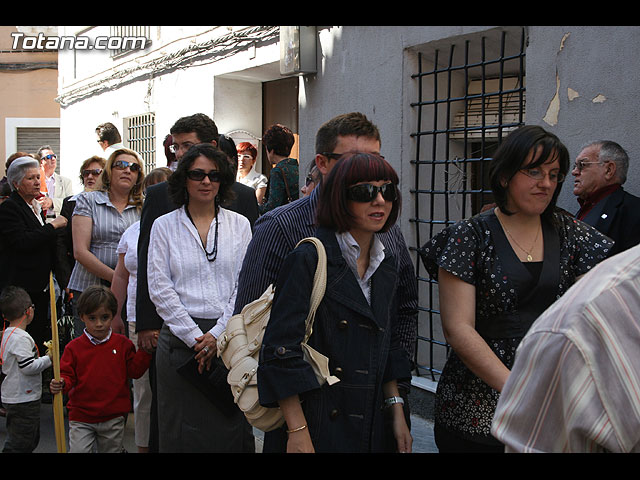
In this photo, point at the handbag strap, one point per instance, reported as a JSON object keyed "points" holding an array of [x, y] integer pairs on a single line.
{"points": [[319, 283]]}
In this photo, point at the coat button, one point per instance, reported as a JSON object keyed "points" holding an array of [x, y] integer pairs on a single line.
{"points": [[343, 324], [334, 413], [281, 350], [338, 372]]}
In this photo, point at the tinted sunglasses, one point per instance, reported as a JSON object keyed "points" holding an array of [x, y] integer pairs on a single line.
{"points": [[366, 192], [95, 172], [198, 175], [122, 164], [50, 156]]}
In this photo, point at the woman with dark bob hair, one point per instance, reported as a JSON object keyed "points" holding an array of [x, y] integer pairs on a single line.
{"points": [[195, 255], [497, 272], [354, 326]]}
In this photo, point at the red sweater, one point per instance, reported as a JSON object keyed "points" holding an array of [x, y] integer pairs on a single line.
{"points": [[95, 377]]}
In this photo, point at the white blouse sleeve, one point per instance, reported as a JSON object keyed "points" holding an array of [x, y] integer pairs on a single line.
{"points": [[163, 293]]}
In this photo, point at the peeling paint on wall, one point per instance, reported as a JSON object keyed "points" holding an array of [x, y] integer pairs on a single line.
{"points": [[572, 94], [599, 99], [564, 39], [551, 116]]}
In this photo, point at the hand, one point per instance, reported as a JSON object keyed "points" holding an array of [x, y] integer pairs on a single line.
{"points": [[59, 222], [56, 386], [401, 430], [46, 203], [117, 325], [148, 340], [300, 442], [205, 347]]}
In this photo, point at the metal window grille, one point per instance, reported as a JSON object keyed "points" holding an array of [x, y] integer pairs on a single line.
{"points": [[123, 35], [140, 135], [466, 103]]}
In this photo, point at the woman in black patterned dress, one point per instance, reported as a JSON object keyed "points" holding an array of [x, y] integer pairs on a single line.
{"points": [[497, 272]]}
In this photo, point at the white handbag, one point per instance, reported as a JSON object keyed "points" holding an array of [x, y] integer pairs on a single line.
{"points": [[239, 347]]}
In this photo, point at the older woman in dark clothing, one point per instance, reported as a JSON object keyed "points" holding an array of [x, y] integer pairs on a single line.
{"points": [[28, 243], [354, 324]]}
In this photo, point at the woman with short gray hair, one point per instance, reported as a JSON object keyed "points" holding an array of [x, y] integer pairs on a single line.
{"points": [[28, 243]]}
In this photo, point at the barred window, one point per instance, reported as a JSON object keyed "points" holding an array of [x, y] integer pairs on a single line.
{"points": [[140, 135], [470, 95]]}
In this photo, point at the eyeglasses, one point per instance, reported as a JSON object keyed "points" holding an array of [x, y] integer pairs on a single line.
{"points": [[175, 147], [539, 175], [50, 156], [244, 156], [198, 175], [122, 165], [366, 192], [579, 165], [95, 172]]}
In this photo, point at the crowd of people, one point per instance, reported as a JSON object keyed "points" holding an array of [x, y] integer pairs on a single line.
{"points": [[155, 265]]}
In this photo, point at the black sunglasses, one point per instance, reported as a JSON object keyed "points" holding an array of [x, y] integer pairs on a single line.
{"points": [[122, 164], [95, 172], [198, 175], [365, 192]]}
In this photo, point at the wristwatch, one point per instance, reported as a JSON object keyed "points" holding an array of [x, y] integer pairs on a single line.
{"points": [[392, 400]]}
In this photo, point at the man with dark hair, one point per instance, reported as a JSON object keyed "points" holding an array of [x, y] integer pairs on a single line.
{"points": [[186, 132], [109, 138], [277, 232], [600, 171]]}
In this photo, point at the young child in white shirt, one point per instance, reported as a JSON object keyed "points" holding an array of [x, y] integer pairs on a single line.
{"points": [[23, 366]]}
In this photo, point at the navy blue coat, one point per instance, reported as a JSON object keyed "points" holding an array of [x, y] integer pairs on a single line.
{"points": [[360, 341]]}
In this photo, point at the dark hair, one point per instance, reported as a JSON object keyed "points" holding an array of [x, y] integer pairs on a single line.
{"points": [[228, 146], [108, 132], [333, 205], [347, 124], [94, 297], [177, 182], [204, 128], [157, 175], [278, 139], [89, 161], [512, 154], [14, 302], [168, 141]]}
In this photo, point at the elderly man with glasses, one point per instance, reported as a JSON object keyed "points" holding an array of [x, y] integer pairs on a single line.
{"points": [[600, 171]]}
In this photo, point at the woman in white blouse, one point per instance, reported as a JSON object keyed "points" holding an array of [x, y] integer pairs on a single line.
{"points": [[247, 175], [195, 256]]}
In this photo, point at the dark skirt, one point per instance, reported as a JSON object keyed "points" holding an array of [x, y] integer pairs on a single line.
{"points": [[188, 422]]}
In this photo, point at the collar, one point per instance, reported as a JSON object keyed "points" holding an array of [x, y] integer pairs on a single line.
{"points": [[351, 251], [589, 202], [94, 340]]}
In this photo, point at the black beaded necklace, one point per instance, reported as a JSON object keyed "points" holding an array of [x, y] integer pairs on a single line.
{"points": [[211, 256]]}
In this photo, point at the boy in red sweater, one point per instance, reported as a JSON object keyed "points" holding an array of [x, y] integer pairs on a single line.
{"points": [[94, 372]]}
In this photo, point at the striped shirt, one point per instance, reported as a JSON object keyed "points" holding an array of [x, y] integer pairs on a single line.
{"points": [[575, 384], [108, 226], [277, 232]]}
